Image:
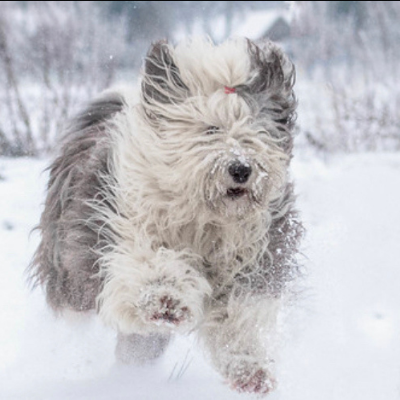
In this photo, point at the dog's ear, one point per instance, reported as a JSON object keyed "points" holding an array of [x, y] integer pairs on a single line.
{"points": [[271, 82], [271, 68], [162, 81]]}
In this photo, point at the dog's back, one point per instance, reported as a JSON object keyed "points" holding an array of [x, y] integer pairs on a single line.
{"points": [[65, 262]]}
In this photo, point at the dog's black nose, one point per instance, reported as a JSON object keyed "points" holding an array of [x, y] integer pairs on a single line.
{"points": [[239, 172]]}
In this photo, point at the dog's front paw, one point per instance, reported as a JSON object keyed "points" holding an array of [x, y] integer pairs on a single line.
{"points": [[167, 310], [251, 379], [171, 304]]}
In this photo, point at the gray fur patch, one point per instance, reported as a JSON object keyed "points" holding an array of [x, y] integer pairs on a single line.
{"points": [[65, 262], [162, 82], [280, 265]]}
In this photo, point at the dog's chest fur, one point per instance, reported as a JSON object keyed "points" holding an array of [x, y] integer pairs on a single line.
{"points": [[223, 250]]}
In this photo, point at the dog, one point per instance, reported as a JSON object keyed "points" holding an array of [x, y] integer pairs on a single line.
{"points": [[173, 211]]}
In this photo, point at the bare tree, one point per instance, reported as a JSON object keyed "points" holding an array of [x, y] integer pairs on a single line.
{"points": [[54, 55], [15, 104]]}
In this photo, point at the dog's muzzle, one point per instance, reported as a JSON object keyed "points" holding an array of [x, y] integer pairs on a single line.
{"points": [[240, 172]]}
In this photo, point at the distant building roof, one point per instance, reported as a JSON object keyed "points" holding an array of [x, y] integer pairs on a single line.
{"points": [[274, 24]]}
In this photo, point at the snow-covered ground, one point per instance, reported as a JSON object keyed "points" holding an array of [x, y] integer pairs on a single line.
{"points": [[341, 341]]}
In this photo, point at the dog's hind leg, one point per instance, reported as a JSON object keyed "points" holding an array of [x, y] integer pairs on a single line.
{"points": [[140, 349]]}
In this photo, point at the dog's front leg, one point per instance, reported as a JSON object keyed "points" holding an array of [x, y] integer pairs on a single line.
{"points": [[148, 291], [240, 340]]}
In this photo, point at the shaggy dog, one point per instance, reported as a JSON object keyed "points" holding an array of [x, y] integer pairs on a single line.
{"points": [[175, 212]]}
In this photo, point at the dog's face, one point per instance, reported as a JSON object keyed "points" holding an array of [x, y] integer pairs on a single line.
{"points": [[222, 116]]}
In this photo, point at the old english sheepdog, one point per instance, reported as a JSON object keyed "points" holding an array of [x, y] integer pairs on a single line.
{"points": [[173, 211]]}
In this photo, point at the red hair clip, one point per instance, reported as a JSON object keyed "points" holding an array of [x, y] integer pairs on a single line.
{"points": [[229, 90]]}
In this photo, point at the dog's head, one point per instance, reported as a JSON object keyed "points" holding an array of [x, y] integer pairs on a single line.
{"points": [[223, 117]]}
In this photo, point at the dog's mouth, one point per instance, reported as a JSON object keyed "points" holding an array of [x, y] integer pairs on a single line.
{"points": [[236, 193]]}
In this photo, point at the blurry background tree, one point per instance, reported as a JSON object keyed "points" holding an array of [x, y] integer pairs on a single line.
{"points": [[349, 54], [54, 55]]}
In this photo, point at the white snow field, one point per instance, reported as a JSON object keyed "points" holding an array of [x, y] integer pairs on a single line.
{"points": [[341, 342]]}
